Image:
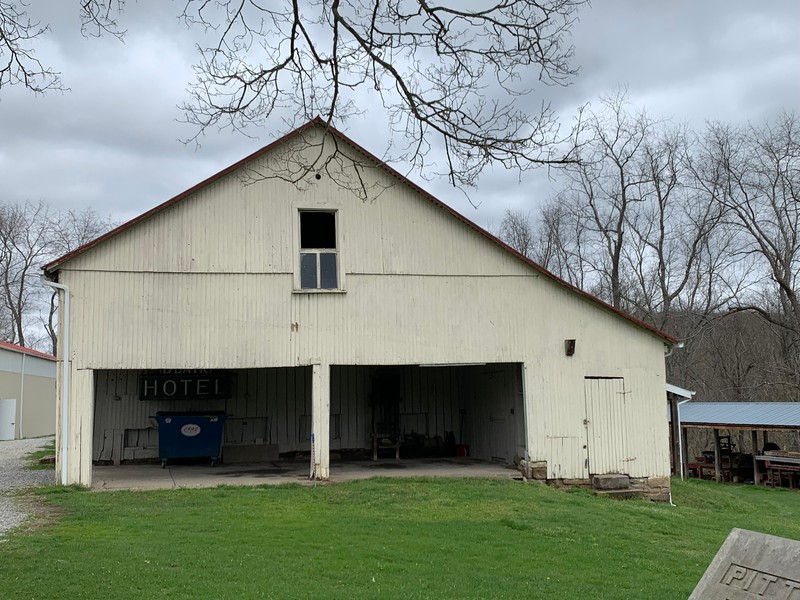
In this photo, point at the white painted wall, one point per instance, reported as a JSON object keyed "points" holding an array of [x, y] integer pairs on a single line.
{"points": [[31, 380], [209, 283]]}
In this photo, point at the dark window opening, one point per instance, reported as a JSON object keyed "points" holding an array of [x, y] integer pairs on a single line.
{"points": [[317, 229], [318, 255]]}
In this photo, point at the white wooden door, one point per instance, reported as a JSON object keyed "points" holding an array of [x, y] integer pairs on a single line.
{"points": [[501, 420], [607, 422], [8, 418]]}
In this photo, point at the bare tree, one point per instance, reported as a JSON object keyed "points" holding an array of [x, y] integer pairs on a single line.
{"points": [[447, 74], [69, 231], [760, 174], [603, 188], [19, 34], [31, 234], [516, 230], [560, 241], [452, 77], [25, 243], [680, 252]]}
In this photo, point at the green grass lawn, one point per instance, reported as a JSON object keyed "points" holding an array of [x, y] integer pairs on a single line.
{"points": [[49, 449], [383, 538]]}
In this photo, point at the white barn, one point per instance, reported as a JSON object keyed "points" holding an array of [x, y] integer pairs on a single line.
{"points": [[359, 321], [27, 392]]}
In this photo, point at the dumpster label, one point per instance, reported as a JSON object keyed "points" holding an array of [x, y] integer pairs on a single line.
{"points": [[190, 429]]}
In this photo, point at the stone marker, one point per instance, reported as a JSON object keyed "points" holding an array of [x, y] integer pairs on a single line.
{"points": [[752, 565]]}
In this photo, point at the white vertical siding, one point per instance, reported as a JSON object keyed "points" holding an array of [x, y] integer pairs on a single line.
{"points": [[208, 283]]}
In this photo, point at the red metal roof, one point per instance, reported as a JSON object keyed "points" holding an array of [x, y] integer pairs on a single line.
{"points": [[24, 350], [53, 266]]}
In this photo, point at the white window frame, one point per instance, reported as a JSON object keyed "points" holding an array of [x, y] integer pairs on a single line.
{"points": [[336, 251]]}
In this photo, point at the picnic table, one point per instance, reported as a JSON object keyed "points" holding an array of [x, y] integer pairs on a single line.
{"points": [[781, 468]]}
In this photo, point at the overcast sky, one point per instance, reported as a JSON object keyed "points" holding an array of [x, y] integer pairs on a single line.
{"points": [[113, 142]]}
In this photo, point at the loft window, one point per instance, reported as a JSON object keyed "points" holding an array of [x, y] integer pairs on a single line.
{"points": [[318, 254]]}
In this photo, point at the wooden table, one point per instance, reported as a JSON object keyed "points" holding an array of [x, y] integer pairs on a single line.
{"points": [[699, 469], [781, 468]]}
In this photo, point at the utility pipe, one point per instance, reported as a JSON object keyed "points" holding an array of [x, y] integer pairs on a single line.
{"points": [[680, 436], [672, 347], [64, 376]]}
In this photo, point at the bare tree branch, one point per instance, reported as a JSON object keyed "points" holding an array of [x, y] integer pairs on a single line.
{"points": [[19, 34], [447, 75]]}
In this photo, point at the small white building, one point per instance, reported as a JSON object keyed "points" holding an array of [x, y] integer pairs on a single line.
{"points": [[305, 311], [27, 393]]}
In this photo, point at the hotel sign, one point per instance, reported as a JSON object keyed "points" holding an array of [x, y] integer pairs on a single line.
{"points": [[181, 384]]}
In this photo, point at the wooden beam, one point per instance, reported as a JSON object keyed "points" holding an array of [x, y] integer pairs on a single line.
{"points": [[717, 457], [674, 436], [685, 442], [754, 438]]}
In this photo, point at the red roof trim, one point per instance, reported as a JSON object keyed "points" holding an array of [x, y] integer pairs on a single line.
{"points": [[24, 350], [53, 266]]}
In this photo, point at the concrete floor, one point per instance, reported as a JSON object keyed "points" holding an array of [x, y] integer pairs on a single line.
{"points": [[153, 477]]}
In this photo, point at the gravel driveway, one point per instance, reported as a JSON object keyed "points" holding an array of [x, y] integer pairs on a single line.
{"points": [[14, 476]]}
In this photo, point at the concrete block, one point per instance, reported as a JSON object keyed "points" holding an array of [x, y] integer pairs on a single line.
{"points": [[611, 482], [657, 495], [539, 470], [752, 565], [658, 482], [576, 482]]}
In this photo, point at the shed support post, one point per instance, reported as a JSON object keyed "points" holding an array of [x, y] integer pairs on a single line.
{"points": [[685, 453], [526, 415], [717, 457], [321, 419], [674, 436], [754, 438]]}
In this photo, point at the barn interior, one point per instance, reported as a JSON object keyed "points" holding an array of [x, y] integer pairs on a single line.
{"points": [[377, 413]]}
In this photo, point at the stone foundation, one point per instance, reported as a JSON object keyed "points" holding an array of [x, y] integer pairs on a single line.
{"points": [[656, 489]]}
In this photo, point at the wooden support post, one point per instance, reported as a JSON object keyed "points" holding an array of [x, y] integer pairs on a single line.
{"points": [[717, 457], [754, 438], [321, 418], [685, 442], [674, 436]]}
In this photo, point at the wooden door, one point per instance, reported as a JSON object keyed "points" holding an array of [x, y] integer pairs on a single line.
{"points": [[607, 422]]}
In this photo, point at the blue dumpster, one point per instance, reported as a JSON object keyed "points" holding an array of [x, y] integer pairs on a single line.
{"points": [[190, 435]]}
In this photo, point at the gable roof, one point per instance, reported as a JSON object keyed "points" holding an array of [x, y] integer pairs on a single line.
{"points": [[24, 350], [52, 268]]}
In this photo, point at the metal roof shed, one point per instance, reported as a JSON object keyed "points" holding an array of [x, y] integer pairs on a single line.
{"points": [[753, 416], [776, 416]]}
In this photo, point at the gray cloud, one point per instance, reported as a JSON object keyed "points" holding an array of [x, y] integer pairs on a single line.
{"points": [[112, 142]]}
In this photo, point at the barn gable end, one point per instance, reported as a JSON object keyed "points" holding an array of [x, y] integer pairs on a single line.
{"points": [[215, 279]]}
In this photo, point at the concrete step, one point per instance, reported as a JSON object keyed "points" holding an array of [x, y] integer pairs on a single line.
{"points": [[611, 481], [621, 494]]}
